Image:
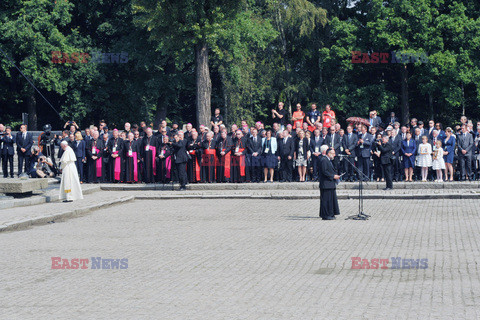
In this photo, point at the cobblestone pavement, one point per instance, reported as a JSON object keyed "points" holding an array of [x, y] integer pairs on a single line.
{"points": [[247, 259]]}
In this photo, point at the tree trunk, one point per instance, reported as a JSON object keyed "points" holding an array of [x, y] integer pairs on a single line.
{"points": [[404, 105], [286, 64], [204, 84], [430, 105], [161, 112], [225, 95], [32, 112]]}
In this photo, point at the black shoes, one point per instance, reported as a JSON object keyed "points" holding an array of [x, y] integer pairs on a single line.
{"points": [[386, 189], [182, 189]]}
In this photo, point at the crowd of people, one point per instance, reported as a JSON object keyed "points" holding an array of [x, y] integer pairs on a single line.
{"points": [[290, 150]]}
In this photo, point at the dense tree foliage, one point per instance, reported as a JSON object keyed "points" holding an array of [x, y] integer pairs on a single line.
{"points": [[186, 57]]}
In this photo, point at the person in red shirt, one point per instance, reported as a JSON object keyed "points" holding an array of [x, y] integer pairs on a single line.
{"points": [[327, 116], [298, 117]]}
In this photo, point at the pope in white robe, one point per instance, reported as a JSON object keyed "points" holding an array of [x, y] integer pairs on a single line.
{"points": [[70, 188]]}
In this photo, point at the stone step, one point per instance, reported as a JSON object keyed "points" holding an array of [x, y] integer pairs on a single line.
{"points": [[293, 186]]}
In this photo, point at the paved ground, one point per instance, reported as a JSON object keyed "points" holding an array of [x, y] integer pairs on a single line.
{"points": [[247, 259]]}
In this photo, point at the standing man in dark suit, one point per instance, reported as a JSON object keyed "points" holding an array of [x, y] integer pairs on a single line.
{"points": [[328, 195], [364, 144], [386, 154], [431, 127], [7, 151], [396, 141], [254, 151], [374, 120], [315, 143], [392, 119], [286, 150], [333, 141], [350, 140], [2, 133], [24, 142], [181, 158], [465, 153]]}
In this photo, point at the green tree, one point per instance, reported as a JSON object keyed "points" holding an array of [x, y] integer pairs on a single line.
{"points": [[184, 27]]}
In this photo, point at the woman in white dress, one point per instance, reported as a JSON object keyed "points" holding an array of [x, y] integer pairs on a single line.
{"points": [[70, 188], [424, 157]]}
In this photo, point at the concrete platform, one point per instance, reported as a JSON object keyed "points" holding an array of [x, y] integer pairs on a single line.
{"points": [[22, 186]]}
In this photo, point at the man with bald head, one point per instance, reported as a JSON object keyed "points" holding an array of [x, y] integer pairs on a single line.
{"points": [[148, 151], [194, 149], [238, 169], [131, 155], [208, 158]]}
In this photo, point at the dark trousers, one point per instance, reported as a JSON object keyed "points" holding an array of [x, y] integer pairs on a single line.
{"points": [[396, 168], [79, 165], [348, 168], [6, 159], [387, 173], [378, 168], [364, 166], [336, 164], [316, 166], [182, 173], [465, 162], [254, 168], [23, 162], [286, 167]]}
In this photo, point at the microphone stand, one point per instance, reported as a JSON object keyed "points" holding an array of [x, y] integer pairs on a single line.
{"points": [[360, 215]]}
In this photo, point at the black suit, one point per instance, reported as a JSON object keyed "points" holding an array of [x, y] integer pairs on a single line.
{"points": [[336, 144], [386, 154], [392, 120], [396, 165], [180, 152], [253, 162], [315, 146], [286, 149], [7, 151], [328, 196], [350, 144], [465, 142], [26, 144]]}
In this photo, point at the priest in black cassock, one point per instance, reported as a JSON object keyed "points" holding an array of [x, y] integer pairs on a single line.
{"points": [[238, 168], [115, 163], [131, 154], [149, 150], [328, 194], [208, 158], [224, 152], [164, 161], [94, 151], [194, 148], [105, 158]]}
